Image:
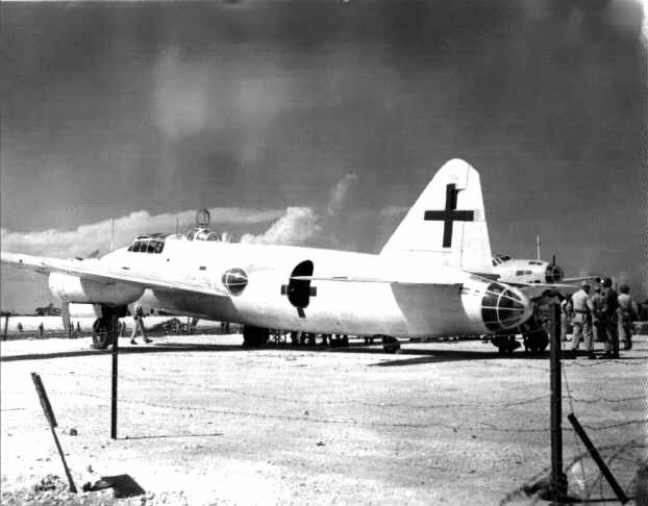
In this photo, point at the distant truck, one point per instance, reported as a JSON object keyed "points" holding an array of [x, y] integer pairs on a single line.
{"points": [[49, 310]]}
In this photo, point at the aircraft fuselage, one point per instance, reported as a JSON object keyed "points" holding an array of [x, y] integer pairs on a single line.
{"points": [[258, 279]]}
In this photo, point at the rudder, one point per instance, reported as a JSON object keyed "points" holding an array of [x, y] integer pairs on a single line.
{"points": [[447, 221]]}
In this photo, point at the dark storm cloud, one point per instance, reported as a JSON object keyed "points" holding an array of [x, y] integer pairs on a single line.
{"points": [[110, 108]]}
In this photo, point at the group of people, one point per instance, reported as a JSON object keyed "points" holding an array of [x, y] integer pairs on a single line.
{"points": [[601, 316]]}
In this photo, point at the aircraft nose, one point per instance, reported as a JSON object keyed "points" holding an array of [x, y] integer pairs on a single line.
{"points": [[504, 307]]}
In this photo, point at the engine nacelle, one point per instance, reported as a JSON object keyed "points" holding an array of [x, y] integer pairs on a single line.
{"points": [[71, 288], [497, 306]]}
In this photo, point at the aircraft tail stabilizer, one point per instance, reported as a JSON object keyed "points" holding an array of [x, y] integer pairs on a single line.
{"points": [[448, 222]]}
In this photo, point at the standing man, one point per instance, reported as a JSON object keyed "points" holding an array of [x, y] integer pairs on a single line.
{"points": [[582, 320], [566, 314], [610, 319], [627, 315], [597, 314], [138, 324]]}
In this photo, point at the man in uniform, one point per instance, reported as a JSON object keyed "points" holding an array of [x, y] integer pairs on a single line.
{"points": [[609, 319], [138, 324], [566, 314], [597, 314], [627, 315], [582, 319]]}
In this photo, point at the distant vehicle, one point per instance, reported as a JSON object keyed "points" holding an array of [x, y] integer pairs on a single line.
{"points": [[433, 277], [49, 310], [171, 326]]}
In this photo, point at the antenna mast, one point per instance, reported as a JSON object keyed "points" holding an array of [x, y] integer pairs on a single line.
{"points": [[538, 247], [112, 234]]}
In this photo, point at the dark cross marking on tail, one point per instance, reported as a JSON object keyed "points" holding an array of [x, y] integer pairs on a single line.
{"points": [[449, 214]]}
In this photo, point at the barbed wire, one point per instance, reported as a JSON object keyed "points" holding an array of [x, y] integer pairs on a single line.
{"points": [[352, 421], [602, 362], [636, 443], [319, 401]]}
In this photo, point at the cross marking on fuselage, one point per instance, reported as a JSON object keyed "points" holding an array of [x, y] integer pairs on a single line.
{"points": [[449, 214], [312, 292]]}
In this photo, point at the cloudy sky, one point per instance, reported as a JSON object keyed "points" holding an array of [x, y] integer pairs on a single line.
{"points": [[319, 122]]}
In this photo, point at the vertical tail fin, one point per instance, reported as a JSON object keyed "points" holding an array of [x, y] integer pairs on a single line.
{"points": [[448, 221]]}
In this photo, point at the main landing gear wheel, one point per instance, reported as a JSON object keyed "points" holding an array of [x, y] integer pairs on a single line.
{"points": [[104, 331], [536, 341], [255, 337], [505, 343]]}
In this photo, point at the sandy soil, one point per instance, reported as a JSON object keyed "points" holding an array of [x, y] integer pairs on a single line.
{"points": [[202, 421]]}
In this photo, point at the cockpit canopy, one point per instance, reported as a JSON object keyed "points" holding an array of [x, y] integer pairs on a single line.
{"points": [[202, 234], [500, 259], [154, 243], [151, 243]]}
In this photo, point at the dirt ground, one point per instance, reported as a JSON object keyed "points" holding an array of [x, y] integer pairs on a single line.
{"points": [[202, 421]]}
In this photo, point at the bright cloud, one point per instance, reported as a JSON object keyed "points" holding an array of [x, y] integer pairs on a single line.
{"points": [[298, 225], [339, 193], [87, 238], [305, 225]]}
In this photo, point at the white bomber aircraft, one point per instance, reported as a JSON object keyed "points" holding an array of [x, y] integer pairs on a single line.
{"points": [[433, 277], [525, 271]]}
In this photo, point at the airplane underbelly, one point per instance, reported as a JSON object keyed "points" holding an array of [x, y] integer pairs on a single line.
{"points": [[193, 304], [361, 309]]}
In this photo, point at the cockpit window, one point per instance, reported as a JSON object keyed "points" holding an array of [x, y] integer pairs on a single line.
{"points": [[498, 259], [145, 244]]}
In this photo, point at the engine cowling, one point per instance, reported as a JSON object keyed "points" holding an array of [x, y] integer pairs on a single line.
{"points": [[554, 273], [497, 306], [71, 288]]}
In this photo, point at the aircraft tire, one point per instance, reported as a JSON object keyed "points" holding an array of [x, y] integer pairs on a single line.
{"points": [[255, 337], [103, 332], [537, 341]]}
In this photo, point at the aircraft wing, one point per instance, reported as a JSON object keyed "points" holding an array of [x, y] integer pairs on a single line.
{"points": [[582, 278], [100, 271], [360, 279], [546, 286]]}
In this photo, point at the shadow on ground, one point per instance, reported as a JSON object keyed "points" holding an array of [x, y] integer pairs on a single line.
{"points": [[169, 436], [414, 356]]}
